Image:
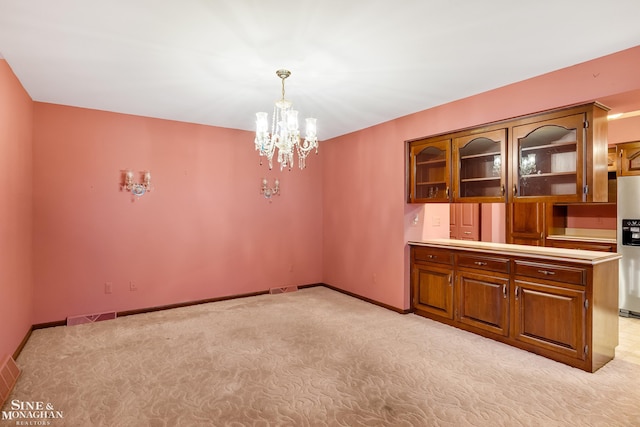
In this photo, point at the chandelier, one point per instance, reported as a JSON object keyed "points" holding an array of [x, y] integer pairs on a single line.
{"points": [[285, 135]]}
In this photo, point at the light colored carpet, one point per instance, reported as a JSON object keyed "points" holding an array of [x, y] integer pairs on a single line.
{"points": [[311, 358]]}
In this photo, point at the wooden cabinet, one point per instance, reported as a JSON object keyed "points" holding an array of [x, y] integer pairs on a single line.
{"points": [[526, 223], [548, 158], [483, 289], [555, 156], [550, 306], [582, 245], [432, 278], [430, 171], [628, 158], [479, 169], [550, 316], [561, 305], [560, 156]]}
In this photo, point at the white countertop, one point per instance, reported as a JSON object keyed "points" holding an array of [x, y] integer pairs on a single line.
{"points": [[557, 254]]}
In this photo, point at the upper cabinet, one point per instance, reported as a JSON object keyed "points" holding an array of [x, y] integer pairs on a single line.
{"points": [[628, 158], [556, 156], [549, 159], [561, 157], [479, 167], [430, 177]]}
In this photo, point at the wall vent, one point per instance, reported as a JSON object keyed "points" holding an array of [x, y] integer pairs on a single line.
{"points": [[9, 373], [283, 290], [89, 318]]}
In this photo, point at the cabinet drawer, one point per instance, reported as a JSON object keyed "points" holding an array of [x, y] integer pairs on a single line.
{"points": [[555, 272], [426, 254], [585, 246], [484, 263]]}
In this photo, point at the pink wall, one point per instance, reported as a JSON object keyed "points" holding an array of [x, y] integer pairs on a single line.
{"points": [[362, 206], [204, 231], [16, 285], [596, 217], [365, 227], [624, 130]]}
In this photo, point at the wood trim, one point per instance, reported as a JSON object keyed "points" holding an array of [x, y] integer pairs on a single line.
{"points": [[49, 324], [369, 300], [22, 343], [203, 301], [187, 304]]}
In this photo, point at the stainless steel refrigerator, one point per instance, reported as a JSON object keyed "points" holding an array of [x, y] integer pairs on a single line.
{"points": [[628, 239]]}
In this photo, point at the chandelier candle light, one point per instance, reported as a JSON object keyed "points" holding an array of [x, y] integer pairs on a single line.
{"points": [[135, 188], [267, 191], [285, 135]]}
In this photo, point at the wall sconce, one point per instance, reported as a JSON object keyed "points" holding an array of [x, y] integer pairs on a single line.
{"points": [[136, 188], [267, 191]]}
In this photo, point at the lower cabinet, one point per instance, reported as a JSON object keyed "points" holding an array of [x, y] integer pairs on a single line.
{"points": [[434, 293], [551, 305], [551, 317], [483, 302]]}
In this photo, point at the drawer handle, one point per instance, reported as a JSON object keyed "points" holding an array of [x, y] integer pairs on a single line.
{"points": [[547, 272], [467, 232], [480, 263], [502, 191], [431, 256]]}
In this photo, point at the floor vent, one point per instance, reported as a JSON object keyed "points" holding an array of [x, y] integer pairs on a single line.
{"points": [[89, 318], [9, 373], [283, 290]]}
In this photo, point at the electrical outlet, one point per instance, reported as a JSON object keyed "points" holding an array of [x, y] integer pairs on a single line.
{"points": [[108, 287], [132, 286]]}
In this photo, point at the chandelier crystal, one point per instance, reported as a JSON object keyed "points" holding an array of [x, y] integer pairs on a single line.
{"points": [[285, 134]]}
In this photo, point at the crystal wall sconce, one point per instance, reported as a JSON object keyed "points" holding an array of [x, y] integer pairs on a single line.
{"points": [[267, 191], [136, 189]]}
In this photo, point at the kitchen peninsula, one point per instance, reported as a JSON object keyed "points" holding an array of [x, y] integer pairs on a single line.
{"points": [[555, 302]]}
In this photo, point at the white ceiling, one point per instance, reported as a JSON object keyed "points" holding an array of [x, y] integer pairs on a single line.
{"points": [[354, 63]]}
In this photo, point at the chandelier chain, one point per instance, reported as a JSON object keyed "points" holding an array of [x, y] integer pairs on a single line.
{"points": [[283, 87]]}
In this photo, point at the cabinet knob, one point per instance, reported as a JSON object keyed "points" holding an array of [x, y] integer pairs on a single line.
{"points": [[447, 191], [515, 190], [480, 263], [504, 290], [502, 190]]}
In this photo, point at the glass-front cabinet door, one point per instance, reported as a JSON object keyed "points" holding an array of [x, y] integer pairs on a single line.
{"points": [[479, 167], [430, 168], [629, 158], [547, 160]]}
